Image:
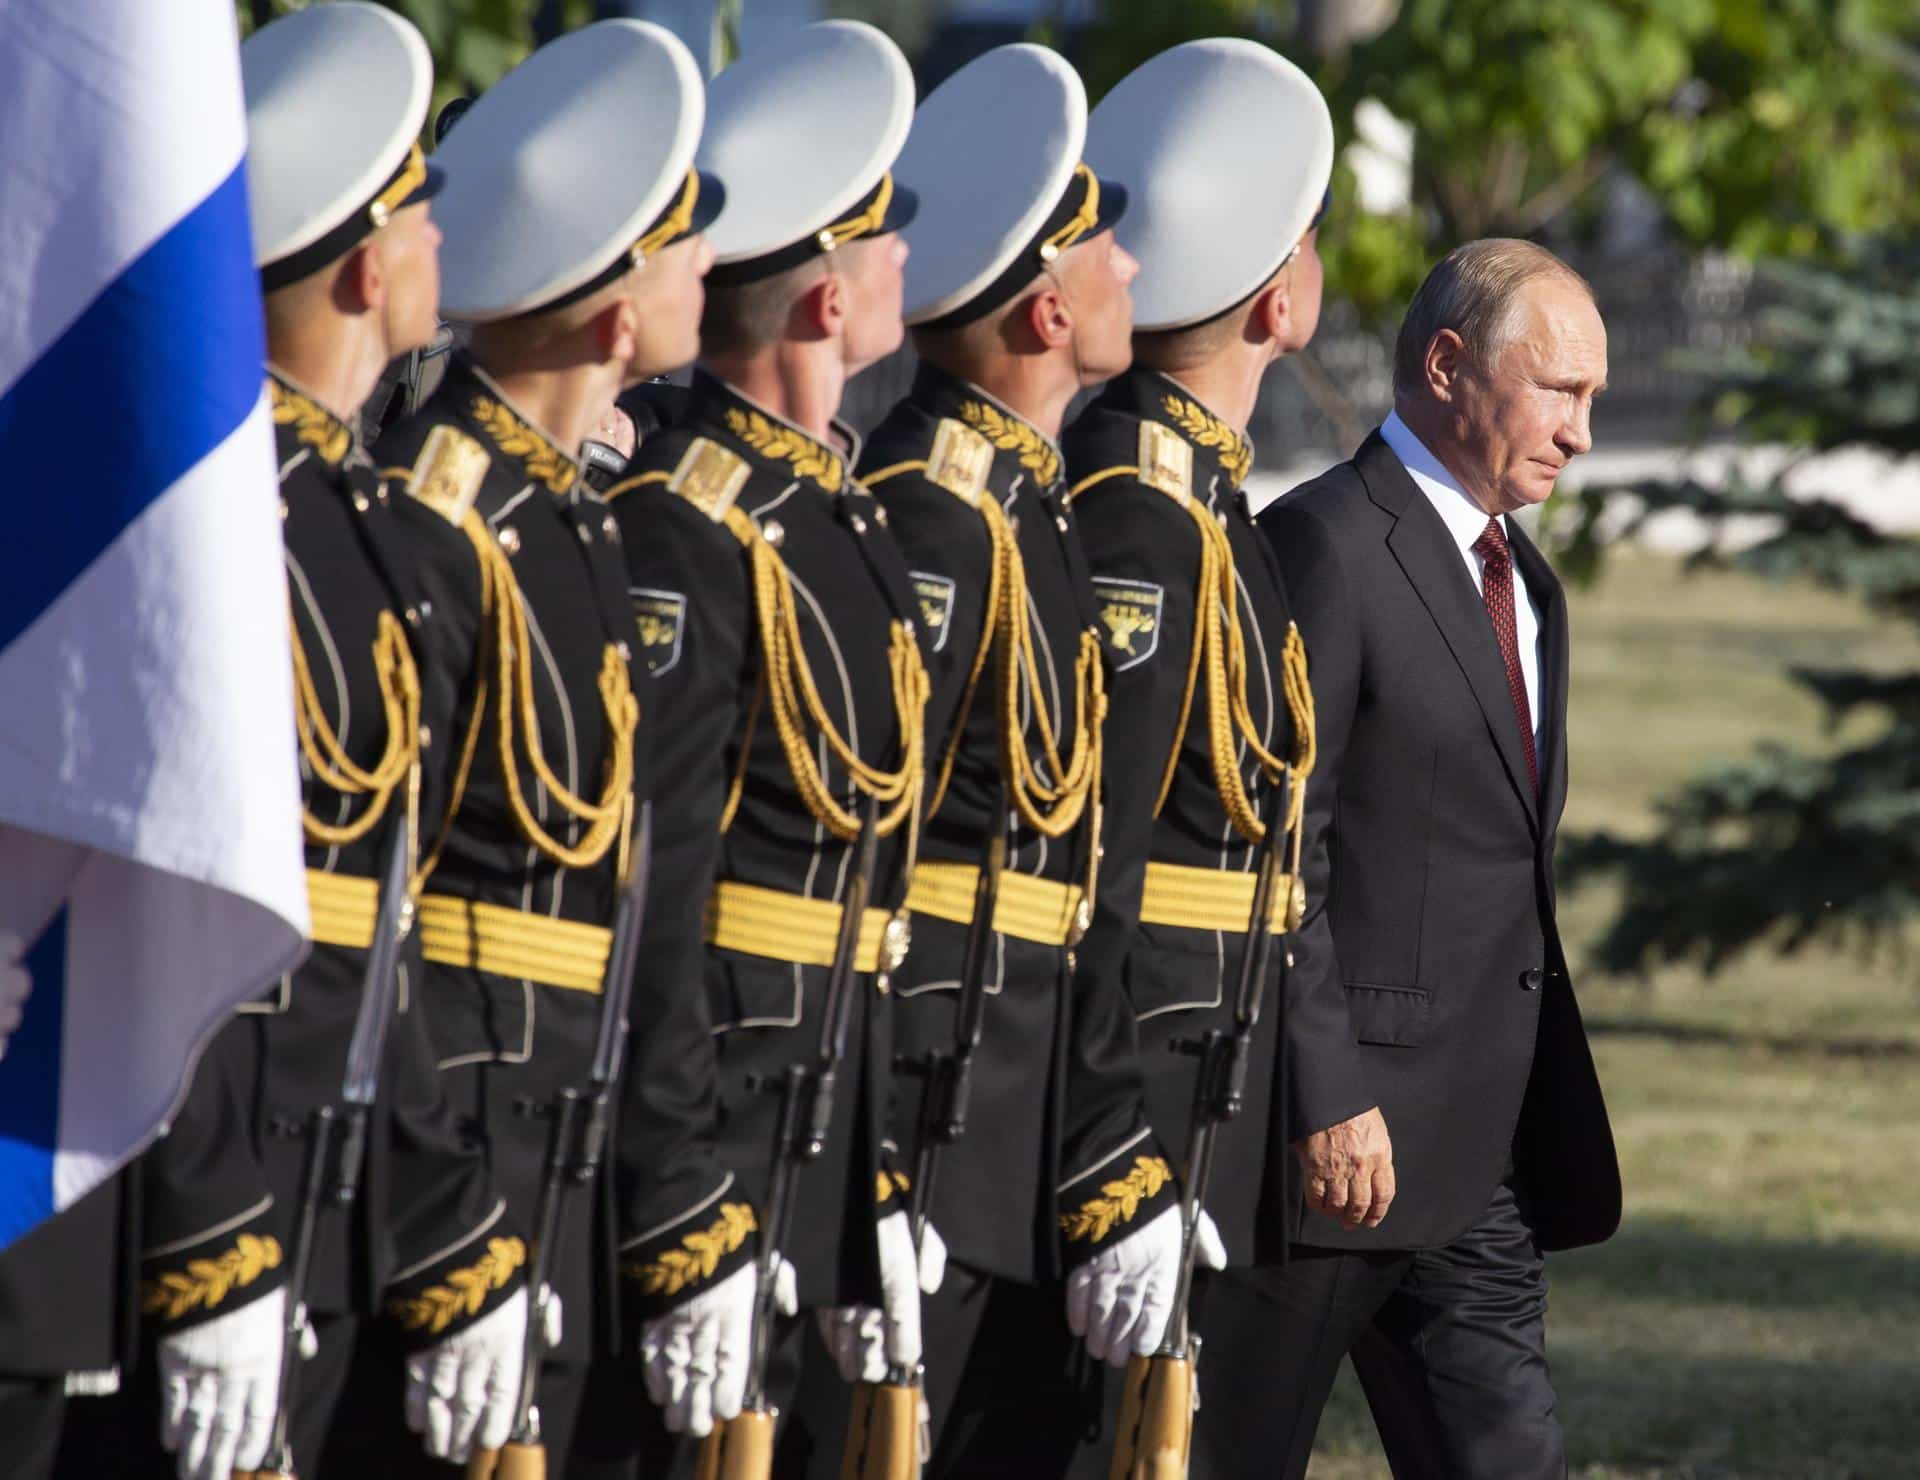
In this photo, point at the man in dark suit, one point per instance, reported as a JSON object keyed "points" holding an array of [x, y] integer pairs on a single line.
{"points": [[1438, 641]]}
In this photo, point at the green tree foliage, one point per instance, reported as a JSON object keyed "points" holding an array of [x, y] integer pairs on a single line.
{"points": [[1789, 847]]}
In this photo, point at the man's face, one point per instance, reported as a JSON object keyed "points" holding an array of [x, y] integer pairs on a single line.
{"points": [[409, 247], [1529, 415], [1096, 278], [668, 294], [872, 271]]}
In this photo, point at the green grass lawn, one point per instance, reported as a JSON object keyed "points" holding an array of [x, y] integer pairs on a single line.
{"points": [[1759, 1312]]}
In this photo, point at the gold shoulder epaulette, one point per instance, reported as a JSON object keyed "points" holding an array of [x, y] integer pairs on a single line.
{"points": [[446, 477], [710, 477], [1166, 461], [960, 460]]}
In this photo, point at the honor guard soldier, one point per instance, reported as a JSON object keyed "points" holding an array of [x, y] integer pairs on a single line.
{"points": [[1206, 776], [779, 652], [1017, 295], [237, 1232], [577, 280]]}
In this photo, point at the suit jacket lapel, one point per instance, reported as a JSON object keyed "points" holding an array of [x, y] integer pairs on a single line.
{"points": [[1426, 552], [1551, 597]]}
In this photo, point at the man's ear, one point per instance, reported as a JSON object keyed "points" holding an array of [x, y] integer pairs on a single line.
{"points": [[821, 311], [1273, 315], [616, 331], [361, 283], [1049, 316], [1446, 358]]}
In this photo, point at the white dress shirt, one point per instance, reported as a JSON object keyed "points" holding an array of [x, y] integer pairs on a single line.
{"points": [[1466, 521]]}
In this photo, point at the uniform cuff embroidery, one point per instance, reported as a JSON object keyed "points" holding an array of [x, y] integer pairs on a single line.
{"points": [[673, 1270], [1136, 1196], [196, 1289], [448, 1297]]}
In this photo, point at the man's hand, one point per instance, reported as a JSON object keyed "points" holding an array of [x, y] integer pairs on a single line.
{"points": [[219, 1382], [463, 1391], [696, 1354], [1349, 1170]]}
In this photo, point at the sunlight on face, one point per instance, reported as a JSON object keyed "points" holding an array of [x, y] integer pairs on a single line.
{"points": [[409, 247], [1529, 414], [668, 293], [873, 270], [1096, 279]]}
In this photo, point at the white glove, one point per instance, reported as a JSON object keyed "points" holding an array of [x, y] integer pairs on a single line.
{"points": [[15, 983], [463, 1391], [933, 1261], [864, 1341], [219, 1382], [695, 1355], [1209, 1249], [1120, 1299]]}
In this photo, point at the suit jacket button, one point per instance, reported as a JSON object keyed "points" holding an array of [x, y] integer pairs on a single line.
{"points": [[1531, 979]]}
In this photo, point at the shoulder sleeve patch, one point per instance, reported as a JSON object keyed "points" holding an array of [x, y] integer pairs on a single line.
{"points": [[960, 460], [1130, 611], [935, 595], [709, 477], [662, 619], [446, 477], [1166, 460]]}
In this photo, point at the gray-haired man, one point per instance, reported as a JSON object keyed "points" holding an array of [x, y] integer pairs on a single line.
{"points": [[1439, 645]]}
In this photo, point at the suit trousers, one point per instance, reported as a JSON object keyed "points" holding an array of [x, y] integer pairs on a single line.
{"points": [[31, 1409], [1449, 1345]]}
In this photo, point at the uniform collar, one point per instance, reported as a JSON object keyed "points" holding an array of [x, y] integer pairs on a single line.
{"points": [[1466, 521], [513, 435], [1158, 397], [944, 394], [299, 416], [768, 440]]}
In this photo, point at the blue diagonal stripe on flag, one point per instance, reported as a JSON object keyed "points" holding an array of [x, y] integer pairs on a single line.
{"points": [[186, 315], [150, 840]]}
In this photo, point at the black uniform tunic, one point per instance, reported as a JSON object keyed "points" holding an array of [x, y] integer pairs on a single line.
{"points": [[507, 1043], [698, 1136], [1134, 497], [1056, 1111]]}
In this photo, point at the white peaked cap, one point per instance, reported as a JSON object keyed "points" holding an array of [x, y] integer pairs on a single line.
{"points": [[1227, 148], [803, 132], [336, 98], [557, 171], [991, 154]]}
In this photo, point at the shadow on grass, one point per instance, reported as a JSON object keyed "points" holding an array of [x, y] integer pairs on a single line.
{"points": [[1786, 1045]]}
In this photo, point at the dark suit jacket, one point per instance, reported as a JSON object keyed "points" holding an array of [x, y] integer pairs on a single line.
{"points": [[1430, 866]]}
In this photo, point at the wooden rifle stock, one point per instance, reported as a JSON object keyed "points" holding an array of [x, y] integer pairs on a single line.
{"points": [[513, 1462], [1156, 1420], [739, 1449], [883, 1432]]}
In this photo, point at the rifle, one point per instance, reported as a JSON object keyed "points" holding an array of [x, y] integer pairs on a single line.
{"points": [[885, 1438], [576, 1142], [1156, 1413], [337, 1138], [741, 1448]]}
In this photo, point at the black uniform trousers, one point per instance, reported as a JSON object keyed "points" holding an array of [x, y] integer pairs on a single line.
{"points": [[1449, 1345]]}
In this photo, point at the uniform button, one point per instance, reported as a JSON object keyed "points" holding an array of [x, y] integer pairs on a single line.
{"points": [[586, 535], [426, 737], [284, 511], [413, 616], [509, 539], [426, 610], [881, 515], [1531, 979], [608, 527], [625, 652], [362, 503], [859, 524], [1060, 522], [381, 493], [773, 532]]}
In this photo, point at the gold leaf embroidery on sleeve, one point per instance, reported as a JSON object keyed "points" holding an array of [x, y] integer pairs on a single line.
{"points": [[1118, 1200], [699, 1254], [1207, 430], [886, 1184], [465, 1291], [806, 457], [204, 1283], [1010, 434], [514, 437]]}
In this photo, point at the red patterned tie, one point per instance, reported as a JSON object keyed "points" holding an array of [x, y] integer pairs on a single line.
{"points": [[1496, 588]]}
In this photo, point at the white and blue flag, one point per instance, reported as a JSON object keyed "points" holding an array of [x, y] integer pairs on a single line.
{"points": [[150, 848]]}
